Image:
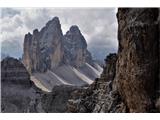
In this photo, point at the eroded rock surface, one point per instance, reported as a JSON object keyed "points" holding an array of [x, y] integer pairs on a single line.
{"points": [[75, 48], [43, 50], [100, 96], [137, 64], [131, 84], [18, 93]]}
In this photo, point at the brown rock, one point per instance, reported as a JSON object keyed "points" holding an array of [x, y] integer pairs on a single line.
{"points": [[137, 64], [100, 95]]}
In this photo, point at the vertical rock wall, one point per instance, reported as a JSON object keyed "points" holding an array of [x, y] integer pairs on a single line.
{"points": [[43, 50], [137, 64]]}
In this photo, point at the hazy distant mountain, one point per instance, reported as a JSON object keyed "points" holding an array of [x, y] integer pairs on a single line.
{"points": [[11, 48]]}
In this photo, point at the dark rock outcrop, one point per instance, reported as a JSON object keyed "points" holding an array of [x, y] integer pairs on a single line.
{"points": [[56, 101], [17, 91], [132, 83], [19, 94], [137, 64], [100, 96], [14, 72]]}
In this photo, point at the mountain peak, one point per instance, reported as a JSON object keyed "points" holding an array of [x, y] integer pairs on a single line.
{"points": [[74, 29], [55, 20]]}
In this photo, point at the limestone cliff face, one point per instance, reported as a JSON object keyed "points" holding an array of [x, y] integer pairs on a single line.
{"points": [[43, 50], [75, 47], [137, 64], [48, 48]]}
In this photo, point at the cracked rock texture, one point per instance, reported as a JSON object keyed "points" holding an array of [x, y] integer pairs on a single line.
{"points": [[20, 95], [49, 48], [130, 83], [100, 96], [43, 50], [137, 63]]}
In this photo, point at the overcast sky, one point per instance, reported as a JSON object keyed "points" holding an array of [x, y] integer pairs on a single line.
{"points": [[98, 25]]}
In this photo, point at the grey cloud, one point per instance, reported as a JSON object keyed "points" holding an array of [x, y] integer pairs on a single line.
{"points": [[98, 25], [9, 12]]}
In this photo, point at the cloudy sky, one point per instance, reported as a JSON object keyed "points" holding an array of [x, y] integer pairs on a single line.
{"points": [[98, 26]]}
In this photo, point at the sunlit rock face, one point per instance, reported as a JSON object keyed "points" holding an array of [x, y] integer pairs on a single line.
{"points": [[43, 50], [137, 63]]}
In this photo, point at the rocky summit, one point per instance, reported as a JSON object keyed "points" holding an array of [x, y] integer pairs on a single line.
{"points": [[56, 59], [75, 48], [43, 50]]}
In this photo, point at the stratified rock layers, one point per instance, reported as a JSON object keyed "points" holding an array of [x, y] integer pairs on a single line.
{"points": [[15, 86], [137, 63], [14, 72], [20, 95]]}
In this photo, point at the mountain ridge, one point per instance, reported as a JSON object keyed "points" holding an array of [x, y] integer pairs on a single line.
{"points": [[49, 50]]}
